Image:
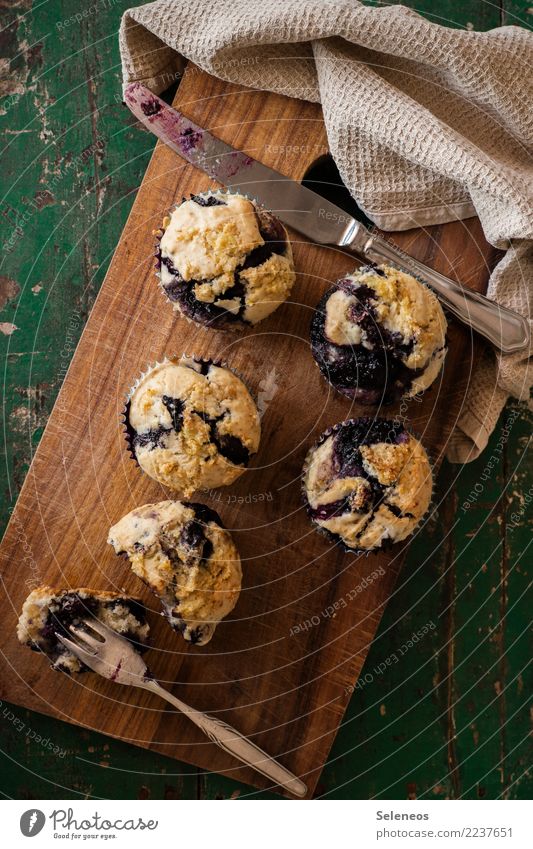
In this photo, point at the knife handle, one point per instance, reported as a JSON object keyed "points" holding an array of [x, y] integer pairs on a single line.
{"points": [[507, 330]]}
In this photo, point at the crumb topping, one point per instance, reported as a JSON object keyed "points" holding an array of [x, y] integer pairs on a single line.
{"points": [[365, 491], [223, 261], [192, 427], [182, 552], [379, 335], [208, 241]]}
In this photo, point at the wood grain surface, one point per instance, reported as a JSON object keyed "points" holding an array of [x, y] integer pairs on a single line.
{"points": [[282, 668]]}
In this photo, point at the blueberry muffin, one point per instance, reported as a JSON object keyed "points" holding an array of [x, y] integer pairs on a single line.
{"points": [[47, 611], [224, 262], [367, 483], [379, 335], [187, 558], [192, 424]]}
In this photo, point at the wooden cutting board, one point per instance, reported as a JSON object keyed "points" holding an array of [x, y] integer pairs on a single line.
{"points": [[282, 668]]}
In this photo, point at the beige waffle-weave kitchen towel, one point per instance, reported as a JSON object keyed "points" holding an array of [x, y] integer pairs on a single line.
{"points": [[426, 124]]}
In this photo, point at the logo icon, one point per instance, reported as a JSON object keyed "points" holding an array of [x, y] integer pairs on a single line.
{"points": [[32, 822]]}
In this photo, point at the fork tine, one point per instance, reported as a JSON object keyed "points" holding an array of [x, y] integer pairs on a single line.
{"points": [[85, 638], [100, 628], [108, 634], [82, 654]]}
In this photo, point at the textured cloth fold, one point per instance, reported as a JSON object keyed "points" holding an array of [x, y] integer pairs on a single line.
{"points": [[426, 124]]}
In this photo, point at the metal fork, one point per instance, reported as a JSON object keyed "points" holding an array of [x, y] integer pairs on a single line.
{"points": [[114, 657]]}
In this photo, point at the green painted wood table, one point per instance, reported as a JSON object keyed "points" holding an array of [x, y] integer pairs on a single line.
{"points": [[443, 708]]}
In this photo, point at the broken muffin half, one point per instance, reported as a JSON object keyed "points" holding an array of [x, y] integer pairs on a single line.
{"points": [[48, 612], [188, 559]]}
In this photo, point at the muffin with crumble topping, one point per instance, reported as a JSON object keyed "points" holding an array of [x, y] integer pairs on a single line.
{"points": [[367, 483], [191, 424], [224, 262], [379, 335], [187, 558]]}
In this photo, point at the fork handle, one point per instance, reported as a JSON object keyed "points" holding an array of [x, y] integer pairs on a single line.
{"points": [[235, 743]]}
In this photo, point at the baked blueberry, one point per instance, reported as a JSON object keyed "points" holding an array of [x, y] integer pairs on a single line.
{"points": [[379, 335], [186, 557], [224, 262], [48, 612], [192, 424], [367, 483]]}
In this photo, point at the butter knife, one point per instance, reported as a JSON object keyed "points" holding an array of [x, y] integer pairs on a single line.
{"points": [[315, 217]]}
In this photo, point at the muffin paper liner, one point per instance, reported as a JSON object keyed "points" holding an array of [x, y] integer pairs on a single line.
{"points": [[332, 538], [380, 403], [177, 358], [237, 327]]}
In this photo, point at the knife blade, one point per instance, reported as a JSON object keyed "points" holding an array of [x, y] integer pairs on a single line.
{"points": [[315, 217], [297, 206]]}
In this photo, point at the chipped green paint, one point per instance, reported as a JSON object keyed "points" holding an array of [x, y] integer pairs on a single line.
{"points": [[453, 717]]}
